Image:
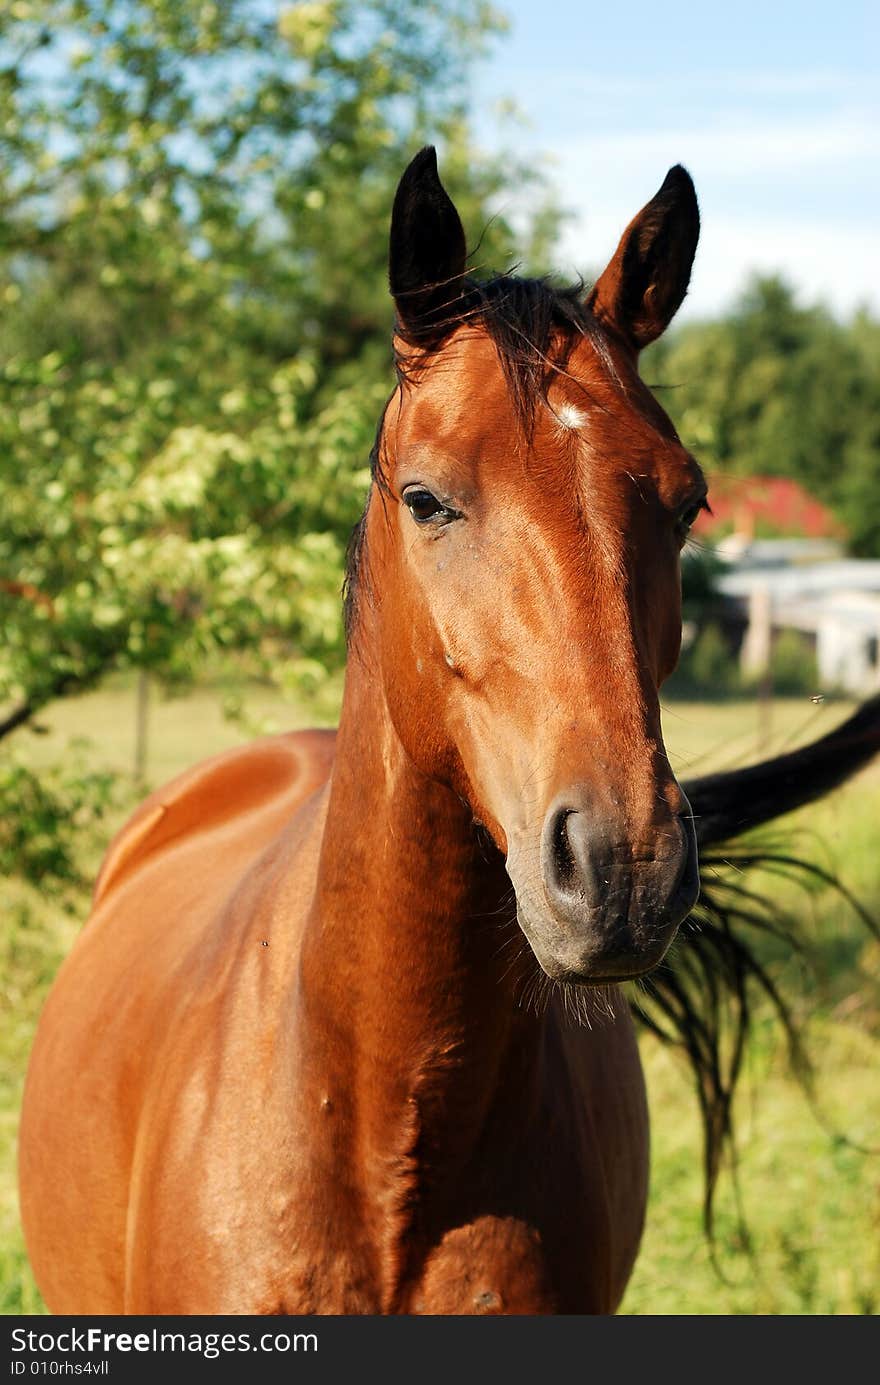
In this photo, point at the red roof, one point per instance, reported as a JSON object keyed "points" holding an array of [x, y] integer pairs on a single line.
{"points": [[775, 504]]}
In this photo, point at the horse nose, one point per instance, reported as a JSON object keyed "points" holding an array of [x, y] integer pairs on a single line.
{"points": [[568, 861], [592, 876]]}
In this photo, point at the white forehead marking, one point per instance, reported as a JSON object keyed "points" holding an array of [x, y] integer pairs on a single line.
{"points": [[570, 416]]}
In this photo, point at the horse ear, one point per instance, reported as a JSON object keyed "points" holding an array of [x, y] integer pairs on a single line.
{"points": [[646, 281], [426, 263]]}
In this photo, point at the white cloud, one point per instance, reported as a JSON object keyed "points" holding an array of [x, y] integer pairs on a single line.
{"points": [[832, 264], [719, 84], [729, 149], [825, 245]]}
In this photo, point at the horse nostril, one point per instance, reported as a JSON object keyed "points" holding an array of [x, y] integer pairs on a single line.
{"points": [[614, 892], [565, 869]]}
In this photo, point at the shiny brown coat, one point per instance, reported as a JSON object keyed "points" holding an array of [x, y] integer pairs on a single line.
{"points": [[297, 1060]]}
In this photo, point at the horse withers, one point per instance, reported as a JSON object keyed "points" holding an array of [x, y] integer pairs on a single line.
{"points": [[293, 1064]]}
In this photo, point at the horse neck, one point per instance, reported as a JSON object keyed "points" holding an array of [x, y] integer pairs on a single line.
{"points": [[408, 972]]}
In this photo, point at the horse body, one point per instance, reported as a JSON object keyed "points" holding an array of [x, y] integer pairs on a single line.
{"points": [[262, 1109], [284, 1068]]}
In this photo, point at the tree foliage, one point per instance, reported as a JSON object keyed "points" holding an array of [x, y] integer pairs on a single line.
{"points": [[195, 339], [776, 389]]}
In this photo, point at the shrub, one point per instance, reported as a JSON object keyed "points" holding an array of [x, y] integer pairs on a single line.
{"points": [[707, 668], [793, 667]]}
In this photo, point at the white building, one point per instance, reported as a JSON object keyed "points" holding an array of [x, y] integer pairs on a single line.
{"points": [[804, 585]]}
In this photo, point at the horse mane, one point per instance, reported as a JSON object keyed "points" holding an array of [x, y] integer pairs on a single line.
{"points": [[532, 324]]}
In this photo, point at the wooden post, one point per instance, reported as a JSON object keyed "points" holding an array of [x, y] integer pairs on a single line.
{"points": [[765, 711], [755, 658], [142, 726], [755, 652]]}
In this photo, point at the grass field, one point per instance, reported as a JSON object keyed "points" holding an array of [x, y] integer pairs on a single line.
{"points": [[808, 1184]]}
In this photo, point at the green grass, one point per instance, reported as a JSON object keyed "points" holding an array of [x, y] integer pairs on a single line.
{"points": [[808, 1173], [809, 1191]]}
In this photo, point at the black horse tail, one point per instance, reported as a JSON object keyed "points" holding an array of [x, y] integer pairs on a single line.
{"points": [[700, 998], [726, 805]]}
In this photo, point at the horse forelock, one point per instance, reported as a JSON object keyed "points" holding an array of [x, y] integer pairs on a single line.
{"points": [[532, 323]]}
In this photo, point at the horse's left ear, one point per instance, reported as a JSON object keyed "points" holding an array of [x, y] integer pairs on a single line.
{"points": [[426, 263], [646, 281]]}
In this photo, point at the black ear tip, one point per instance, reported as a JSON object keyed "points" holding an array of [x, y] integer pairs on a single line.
{"points": [[679, 183], [422, 166], [678, 176]]}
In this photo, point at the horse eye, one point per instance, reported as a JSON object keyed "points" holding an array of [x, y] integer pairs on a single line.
{"points": [[689, 516], [422, 505]]}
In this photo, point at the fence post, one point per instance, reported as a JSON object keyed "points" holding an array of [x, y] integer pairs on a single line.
{"points": [[142, 726], [755, 658]]}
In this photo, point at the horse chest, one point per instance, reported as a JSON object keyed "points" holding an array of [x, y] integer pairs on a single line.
{"points": [[297, 1224]]}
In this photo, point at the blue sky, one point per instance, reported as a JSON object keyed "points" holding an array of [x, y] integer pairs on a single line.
{"points": [[774, 108]]}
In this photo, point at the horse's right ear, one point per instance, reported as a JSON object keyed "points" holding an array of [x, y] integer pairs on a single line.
{"points": [[647, 279], [426, 263]]}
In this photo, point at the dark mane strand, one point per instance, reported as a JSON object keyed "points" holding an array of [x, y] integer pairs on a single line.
{"points": [[701, 999], [531, 322], [353, 576], [350, 578]]}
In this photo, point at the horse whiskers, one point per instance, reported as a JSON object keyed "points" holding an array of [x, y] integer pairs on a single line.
{"points": [[577, 1006]]}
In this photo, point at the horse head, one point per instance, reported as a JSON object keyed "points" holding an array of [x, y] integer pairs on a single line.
{"points": [[520, 558]]}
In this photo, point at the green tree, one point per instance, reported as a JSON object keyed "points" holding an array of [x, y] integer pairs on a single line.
{"points": [[195, 347], [777, 389]]}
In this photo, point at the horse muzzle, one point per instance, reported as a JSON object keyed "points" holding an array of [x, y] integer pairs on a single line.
{"points": [[606, 910]]}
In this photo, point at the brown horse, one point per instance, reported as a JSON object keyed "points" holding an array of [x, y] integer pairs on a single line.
{"points": [[287, 1067]]}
